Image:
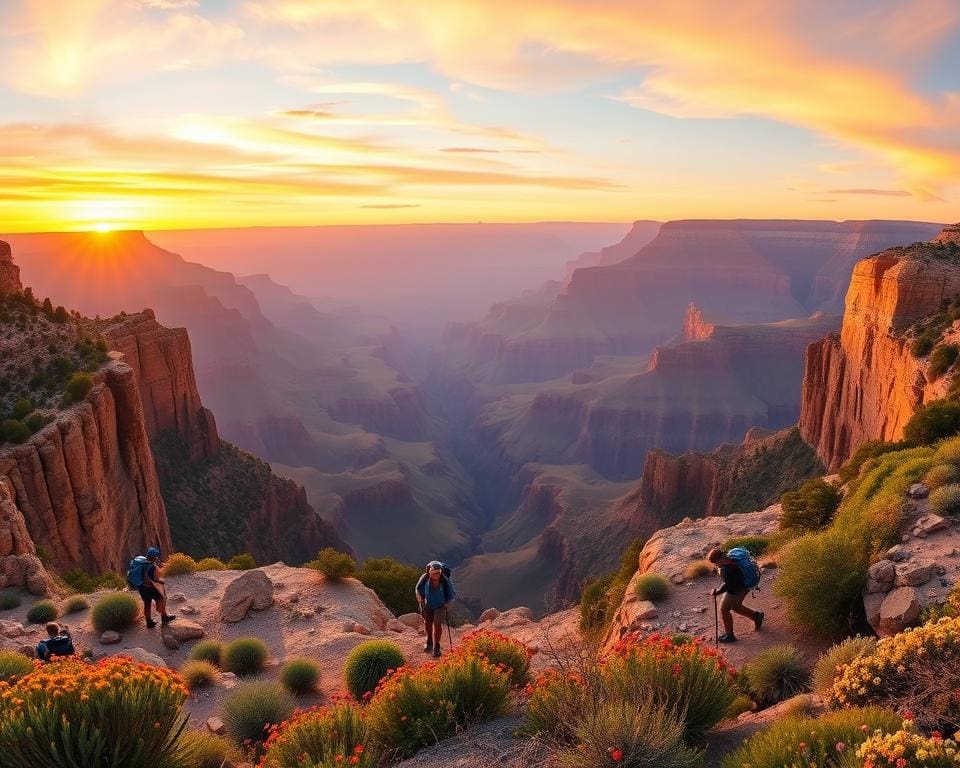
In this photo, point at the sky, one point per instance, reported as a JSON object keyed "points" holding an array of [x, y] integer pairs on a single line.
{"points": [[159, 114]]}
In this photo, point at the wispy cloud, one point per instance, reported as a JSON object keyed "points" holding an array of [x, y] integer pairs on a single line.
{"points": [[869, 191]]}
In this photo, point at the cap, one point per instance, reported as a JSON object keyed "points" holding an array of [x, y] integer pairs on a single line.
{"points": [[153, 552], [434, 565]]}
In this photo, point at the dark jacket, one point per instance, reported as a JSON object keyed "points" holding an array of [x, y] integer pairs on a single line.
{"points": [[732, 578], [435, 598]]}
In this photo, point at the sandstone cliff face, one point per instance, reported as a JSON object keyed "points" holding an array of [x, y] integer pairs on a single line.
{"points": [[19, 564], [86, 484], [863, 383], [9, 272]]}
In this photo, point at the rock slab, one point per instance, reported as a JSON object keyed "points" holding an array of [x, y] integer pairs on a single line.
{"points": [[253, 590]]}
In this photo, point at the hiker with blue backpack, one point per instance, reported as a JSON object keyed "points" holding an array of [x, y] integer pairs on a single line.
{"points": [[434, 594], [143, 575], [739, 574], [58, 643]]}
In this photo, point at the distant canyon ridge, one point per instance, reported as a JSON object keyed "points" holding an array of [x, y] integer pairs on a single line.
{"points": [[515, 445]]}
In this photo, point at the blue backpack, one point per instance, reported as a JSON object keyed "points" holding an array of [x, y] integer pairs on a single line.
{"points": [[748, 566], [61, 645], [135, 572]]}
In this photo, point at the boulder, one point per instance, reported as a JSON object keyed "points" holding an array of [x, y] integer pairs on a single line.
{"points": [[918, 491], [522, 612], [881, 576], [216, 725], [169, 641], [899, 610], [395, 625], [12, 629], [229, 680], [110, 637], [360, 629], [645, 610], [184, 630], [251, 590], [929, 523], [915, 573], [489, 615], [30, 651], [178, 597], [412, 620], [142, 656], [871, 606], [898, 553]]}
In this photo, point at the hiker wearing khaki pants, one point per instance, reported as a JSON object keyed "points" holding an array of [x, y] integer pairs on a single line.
{"points": [[733, 589], [434, 593]]}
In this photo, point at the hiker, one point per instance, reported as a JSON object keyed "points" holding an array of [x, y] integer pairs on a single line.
{"points": [[434, 593], [58, 643], [734, 588], [149, 591]]}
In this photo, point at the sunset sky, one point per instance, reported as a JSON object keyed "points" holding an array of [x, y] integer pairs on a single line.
{"points": [[195, 113]]}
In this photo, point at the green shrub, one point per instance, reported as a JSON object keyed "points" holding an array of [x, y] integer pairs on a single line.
{"points": [[922, 345], [208, 650], [252, 708], [810, 507], [644, 735], [22, 408], [179, 564], [557, 701], [500, 650], [319, 737], [391, 581], [948, 451], [651, 586], [368, 664], [779, 745], [245, 656], [78, 387], [199, 749], [197, 674], [42, 612], [941, 474], [80, 581], [115, 612], [932, 422], [776, 674], [946, 500], [334, 564], [831, 664], [755, 545], [300, 675], [210, 564], [698, 569], [942, 360], [13, 666], [872, 449], [594, 603], [36, 421], [76, 604], [14, 431], [740, 705], [113, 713], [242, 562], [9, 601]]}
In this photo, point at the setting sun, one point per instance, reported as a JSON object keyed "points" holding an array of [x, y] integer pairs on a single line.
{"points": [[102, 227]]}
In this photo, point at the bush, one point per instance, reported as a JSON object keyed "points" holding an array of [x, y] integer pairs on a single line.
{"points": [[946, 500], [601, 598], [197, 674], [242, 562], [391, 581], [252, 708], [932, 422], [78, 387], [199, 749], [555, 703], [22, 408], [210, 564], [643, 735], [14, 431], [829, 740], [810, 507], [245, 656], [651, 586], [776, 674], [832, 663], [740, 705], [941, 474], [948, 451], [332, 736], [755, 545], [908, 748], [9, 601], [689, 678], [942, 360], [116, 611], [368, 664], [13, 666], [698, 569], [179, 564], [414, 708], [917, 670], [300, 675], [208, 650], [76, 604], [36, 421], [870, 450], [501, 651], [42, 612], [113, 713], [922, 345], [80, 581], [334, 564]]}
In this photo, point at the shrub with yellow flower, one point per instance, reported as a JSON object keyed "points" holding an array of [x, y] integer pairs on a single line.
{"points": [[909, 749]]}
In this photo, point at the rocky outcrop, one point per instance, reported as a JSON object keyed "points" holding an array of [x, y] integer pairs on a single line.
{"points": [[9, 272], [864, 383], [163, 362], [252, 590], [19, 564], [86, 484]]}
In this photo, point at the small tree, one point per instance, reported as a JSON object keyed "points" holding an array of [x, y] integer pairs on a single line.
{"points": [[78, 387], [810, 507], [933, 421]]}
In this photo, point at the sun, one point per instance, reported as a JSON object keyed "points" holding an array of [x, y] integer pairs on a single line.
{"points": [[103, 227]]}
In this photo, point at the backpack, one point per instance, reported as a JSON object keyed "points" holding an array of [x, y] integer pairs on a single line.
{"points": [[747, 565], [446, 573], [61, 645], [135, 572]]}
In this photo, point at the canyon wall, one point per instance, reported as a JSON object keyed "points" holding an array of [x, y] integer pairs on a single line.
{"points": [[9, 272], [19, 564], [864, 383]]}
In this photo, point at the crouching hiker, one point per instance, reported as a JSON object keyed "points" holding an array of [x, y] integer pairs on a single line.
{"points": [[739, 574], [143, 575], [434, 593], [58, 643]]}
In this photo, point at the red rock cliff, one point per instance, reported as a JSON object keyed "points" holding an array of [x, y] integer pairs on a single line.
{"points": [[19, 564], [9, 272], [863, 383]]}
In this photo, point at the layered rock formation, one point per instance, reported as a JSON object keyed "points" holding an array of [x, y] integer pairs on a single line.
{"points": [[864, 383], [86, 484], [9, 272], [19, 564]]}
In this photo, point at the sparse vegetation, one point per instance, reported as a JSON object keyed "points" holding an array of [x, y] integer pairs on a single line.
{"points": [[208, 650], [833, 662], [81, 581], [9, 601], [755, 545], [197, 674], [391, 581], [946, 500], [334, 564], [179, 564], [941, 474], [776, 674], [652, 587], [300, 676], [77, 388], [368, 664], [115, 612], [199, 749], [942, 360], [810, 507], [75, 604], [252, 708], [242, 562], [13, 666], [698, 569], [932, 422], [245, 656], [210, 564], [601, 597], [42, 612]]}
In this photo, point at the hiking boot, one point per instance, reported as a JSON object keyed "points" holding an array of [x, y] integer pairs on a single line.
{"points": [[167, 619], [726, 639], [151, 623], [758, 620], [436, 652], [428, 648]]}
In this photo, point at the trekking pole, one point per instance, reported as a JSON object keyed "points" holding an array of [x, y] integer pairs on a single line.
{"points": [[716, 624], [449, 631]]}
